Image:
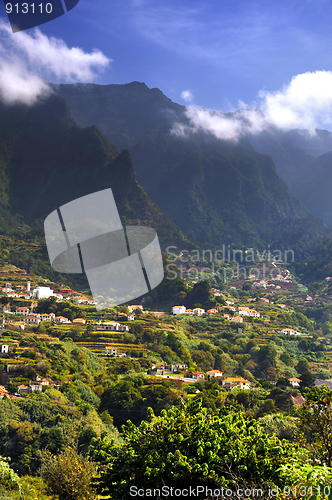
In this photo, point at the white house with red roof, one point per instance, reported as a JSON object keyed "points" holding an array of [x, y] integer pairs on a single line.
{"points": [[23, 310]]}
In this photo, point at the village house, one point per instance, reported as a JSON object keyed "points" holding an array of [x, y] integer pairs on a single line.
{"points": [[47, 317], [23, 310], [295, 382], [3, 392], [196, 375], [212, 311], [254, 314], [4, 349], [81, 299], [228, 308], [134, 307], [178, 309], [243, 310], [20, 324], [198, 311], [111, 326], [61, 319], [35, 386], [110, 351], [79, 321], [289, 331], [236, 319], [42, 292], [214, 373], [23, 389], [32, 320], [42, 381], [235, 382], [178, 368], [264, 300]]}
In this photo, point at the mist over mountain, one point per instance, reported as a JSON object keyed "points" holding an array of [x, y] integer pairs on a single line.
{"points": [[216, 191]]}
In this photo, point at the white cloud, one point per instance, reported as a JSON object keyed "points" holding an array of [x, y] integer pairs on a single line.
{"points": [[305, 103], [187, 96], [222, 126], [27, 60]]}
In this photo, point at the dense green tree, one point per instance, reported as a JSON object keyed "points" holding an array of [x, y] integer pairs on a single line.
{"points": [[316, 419], [68, 475], [187, 446], [307, 380]]}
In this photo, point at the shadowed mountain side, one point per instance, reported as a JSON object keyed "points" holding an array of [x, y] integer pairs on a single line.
{"points": [[47, 160], [316, 188]]}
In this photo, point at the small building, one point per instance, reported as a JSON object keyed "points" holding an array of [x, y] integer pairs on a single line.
{"points": [[295, 382], [134, 307], [289, 331], [42, 381], [3, 392], [23, 310], [24, 389], [42, 292], [32, 320], [198, 311], [214, 373], [196, 375], [111, 326], [35, 386], [20, 324], [178, 309], [61, 320], [79, 321], [4, 349], [110, 351], [243, 310], [235, 382], [212, 311], [236, 319], [178, 368], [254, 314]]}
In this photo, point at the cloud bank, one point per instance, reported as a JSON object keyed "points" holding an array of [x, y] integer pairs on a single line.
{"points": [[305, 103], [27, 60]]}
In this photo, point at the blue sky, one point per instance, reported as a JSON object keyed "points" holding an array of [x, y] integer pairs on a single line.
{"points": [[223, 51]]}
